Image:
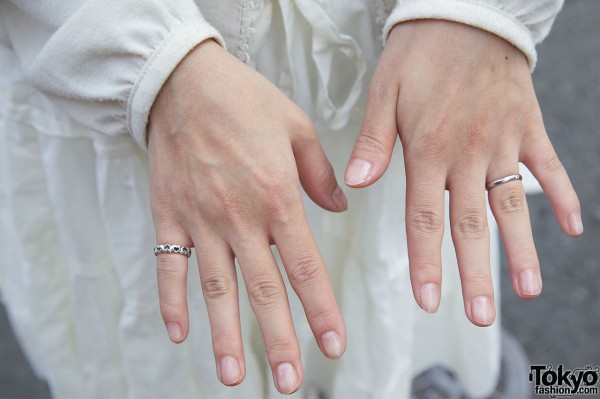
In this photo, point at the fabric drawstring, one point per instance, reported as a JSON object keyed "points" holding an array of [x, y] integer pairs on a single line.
{"points": [[327, 43]]}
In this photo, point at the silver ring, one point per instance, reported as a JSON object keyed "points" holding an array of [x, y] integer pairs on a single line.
{"points": [[503, 180], [172, 249]]}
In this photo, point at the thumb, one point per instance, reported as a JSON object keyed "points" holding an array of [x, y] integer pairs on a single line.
{"points": [[316, 173], [373, 148]]}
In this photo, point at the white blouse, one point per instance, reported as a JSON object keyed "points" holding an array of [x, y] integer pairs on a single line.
{"points": [[78, 280], [104, 61]]}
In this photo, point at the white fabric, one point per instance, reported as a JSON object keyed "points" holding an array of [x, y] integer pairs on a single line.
{"points": [[104, 61], [79, 279]]}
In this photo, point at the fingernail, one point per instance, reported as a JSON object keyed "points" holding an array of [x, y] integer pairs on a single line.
{"points": [[529, 283], [430, 297], [332, 344], [174, 331], [339, 199], [229, 372], [287, 379], [482, 310], [575, 224], [358, 172]]}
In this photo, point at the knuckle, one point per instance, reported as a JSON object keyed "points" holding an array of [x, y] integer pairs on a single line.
{"points": [[372, 141], [381, 91], [162, 190], [231, 203], [161, 203], [432, 146], [553, 164], [305, 270], [224, 195], [424, 268], [282, 346], [425, 271], [226, 342], [425, 220], [280, 199], [164, 211], [479, 279], [474, 138], [232, 209], [326, 177], [265, 292], [168, 266], [471, 224], [272, 182], [325, 314], [527, 254], [303, 127], [217, 287], [512, 201]]}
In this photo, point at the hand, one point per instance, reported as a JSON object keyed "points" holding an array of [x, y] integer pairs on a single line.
{"points": [[463, 103], [227, 152]]}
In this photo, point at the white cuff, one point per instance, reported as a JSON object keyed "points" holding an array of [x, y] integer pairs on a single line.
{"points": [[470, 12], [157, 70]]}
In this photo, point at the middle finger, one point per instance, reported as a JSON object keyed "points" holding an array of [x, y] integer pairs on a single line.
{"points": [[470, 234], [219, 286]]}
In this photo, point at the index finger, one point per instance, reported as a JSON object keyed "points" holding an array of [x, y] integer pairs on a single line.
{"points": [[309, 278]]}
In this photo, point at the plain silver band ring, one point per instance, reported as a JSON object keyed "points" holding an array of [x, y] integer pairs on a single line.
{"points": [[503, 180], [172, 249]]}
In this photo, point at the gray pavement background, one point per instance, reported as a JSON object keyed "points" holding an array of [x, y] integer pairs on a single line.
{"points": [[563, 326]]}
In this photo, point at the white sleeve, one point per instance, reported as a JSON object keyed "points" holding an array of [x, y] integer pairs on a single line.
{"points": [[104, 61], [523, 23]]}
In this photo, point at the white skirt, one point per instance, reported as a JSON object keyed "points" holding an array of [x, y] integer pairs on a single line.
{"points": [[77, 272]]}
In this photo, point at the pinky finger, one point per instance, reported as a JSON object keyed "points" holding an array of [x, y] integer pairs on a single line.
{"points": [[543, 162]]}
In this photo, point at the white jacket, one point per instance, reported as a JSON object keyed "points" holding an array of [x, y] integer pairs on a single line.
{"points": [[104, 61], [76, 234]]}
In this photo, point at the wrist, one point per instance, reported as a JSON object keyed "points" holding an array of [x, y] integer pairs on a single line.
{"points": [[485, 15], [455, 43], [181, 83]]}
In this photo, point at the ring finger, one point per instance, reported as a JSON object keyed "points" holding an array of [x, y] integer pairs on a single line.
{"points": [[509, 206]]}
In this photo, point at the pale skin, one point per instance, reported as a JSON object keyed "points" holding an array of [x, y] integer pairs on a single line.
{"points": [[228, 153]]}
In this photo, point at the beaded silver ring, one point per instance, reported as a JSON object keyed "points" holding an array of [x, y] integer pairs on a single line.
{"points": [[172, 249]]}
